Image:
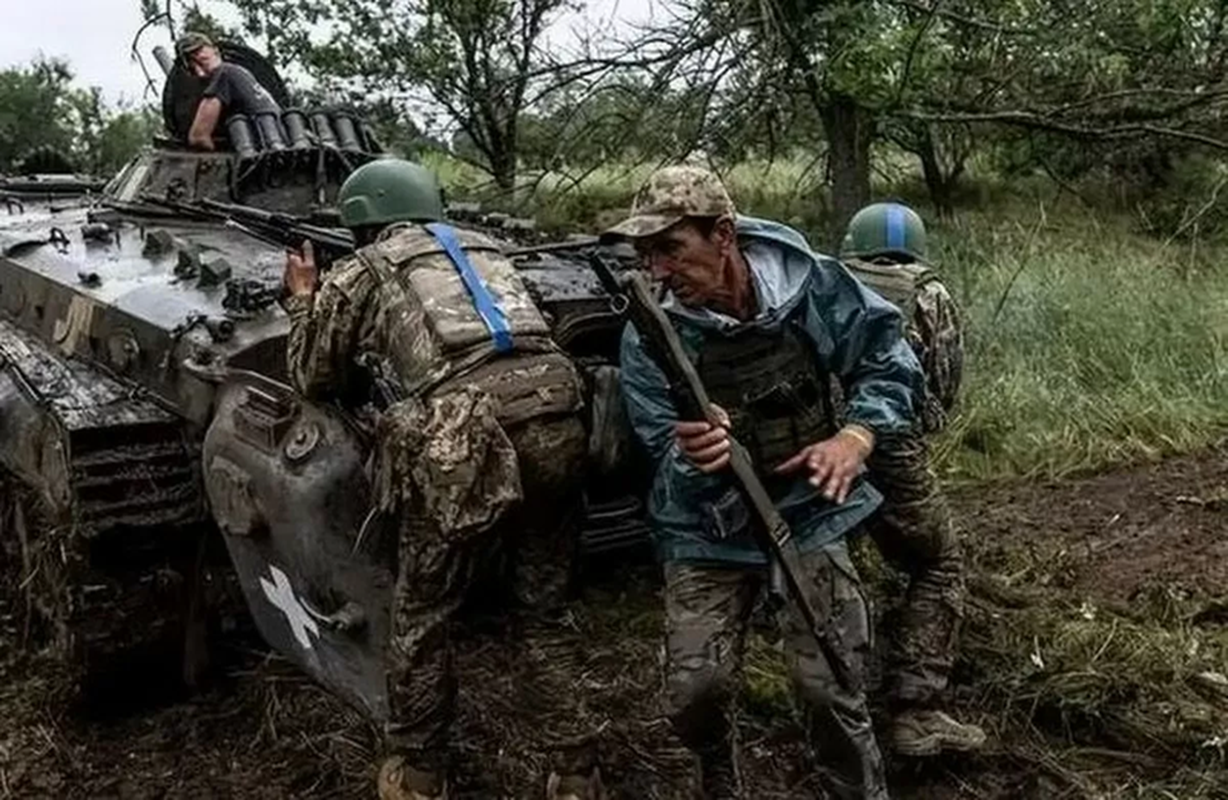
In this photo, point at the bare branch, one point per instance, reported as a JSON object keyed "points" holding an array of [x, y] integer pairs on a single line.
{"points": [[1025, 119], [912, 52]]}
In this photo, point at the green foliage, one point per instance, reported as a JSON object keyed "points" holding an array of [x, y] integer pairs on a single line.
{"points": [[200, 21], [121, 134], [36, 110], [1088, 344], [105, 138], [1190, 205], [42, 111]]}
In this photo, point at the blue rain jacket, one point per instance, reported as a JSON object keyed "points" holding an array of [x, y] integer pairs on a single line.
{"points": [[857, 337]]}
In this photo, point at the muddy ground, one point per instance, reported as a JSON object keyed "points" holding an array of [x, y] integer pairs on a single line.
{"points": [[263, 731]]}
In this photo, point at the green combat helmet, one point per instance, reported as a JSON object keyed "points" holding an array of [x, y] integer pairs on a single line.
{"points": [[389, 190], [885, 230]]}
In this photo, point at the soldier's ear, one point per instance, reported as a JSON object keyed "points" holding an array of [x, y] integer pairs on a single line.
{"points": [[724, 234]]}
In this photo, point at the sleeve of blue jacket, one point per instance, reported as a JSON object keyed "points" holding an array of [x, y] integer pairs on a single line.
{"points": [[879, 371], [652, 415], [859, 335]]}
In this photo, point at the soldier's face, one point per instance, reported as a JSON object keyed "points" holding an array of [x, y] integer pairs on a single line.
{"points": [[204, 61], [690, 263]]}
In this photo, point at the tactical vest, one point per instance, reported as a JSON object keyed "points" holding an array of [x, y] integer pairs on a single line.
{"points": [[774, 390], [898, 284], [436, 334]]}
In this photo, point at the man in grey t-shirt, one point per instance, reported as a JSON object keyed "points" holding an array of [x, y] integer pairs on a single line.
{"points": [[232, 89]]}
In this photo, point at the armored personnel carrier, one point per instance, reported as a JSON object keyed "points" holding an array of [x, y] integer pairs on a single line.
{"points": [[145, 410]]}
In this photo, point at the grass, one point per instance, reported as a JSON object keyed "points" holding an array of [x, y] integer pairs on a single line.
{"points": [[1088, 343]]}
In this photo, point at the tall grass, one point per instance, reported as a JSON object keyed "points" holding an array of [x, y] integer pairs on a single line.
{"points": [[1088, 343]]}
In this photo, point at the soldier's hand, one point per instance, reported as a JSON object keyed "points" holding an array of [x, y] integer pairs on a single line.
{"points": [[833, 463], [704, 444], [301, 274]]}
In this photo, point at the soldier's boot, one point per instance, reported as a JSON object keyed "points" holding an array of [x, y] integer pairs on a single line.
{"points": [[398, 780], [575, 787], [920, 732], [719, 775]]}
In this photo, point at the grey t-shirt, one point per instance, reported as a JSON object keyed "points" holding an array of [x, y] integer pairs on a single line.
{"points": [[240, 92]]}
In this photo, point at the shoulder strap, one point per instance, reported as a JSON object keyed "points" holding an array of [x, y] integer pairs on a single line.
{"points": [[483, 301], [897, 283]]}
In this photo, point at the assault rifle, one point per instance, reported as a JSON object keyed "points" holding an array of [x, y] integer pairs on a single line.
{"points": [[633, 297], [272, 227]]}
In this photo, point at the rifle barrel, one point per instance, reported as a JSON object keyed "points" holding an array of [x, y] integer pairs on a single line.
{"points": [[256, 233]]}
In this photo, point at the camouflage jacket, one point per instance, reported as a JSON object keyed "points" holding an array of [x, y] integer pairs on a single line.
{"points": [[401, 302], [857, 338], [442, 447], [327, 332], [934, 330]]}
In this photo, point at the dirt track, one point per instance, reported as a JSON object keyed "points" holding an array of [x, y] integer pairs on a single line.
{"points": [[1112, 535], [264, 731]]}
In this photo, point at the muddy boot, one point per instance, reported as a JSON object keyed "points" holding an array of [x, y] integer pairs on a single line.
{"points": [[575, 787], [400, 781], [719, 775], [918, 733]]}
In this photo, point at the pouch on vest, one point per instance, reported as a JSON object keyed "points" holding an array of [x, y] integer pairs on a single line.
{"points": [[775, 392], [433, 330], [527, 387]]}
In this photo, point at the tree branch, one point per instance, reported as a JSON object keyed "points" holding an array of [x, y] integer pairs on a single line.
{"points": [[962, 19], [1025, 119]]}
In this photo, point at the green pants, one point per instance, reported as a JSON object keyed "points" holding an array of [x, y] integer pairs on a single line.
{"points": [[913, 530], [530, 548], [707, 608]]}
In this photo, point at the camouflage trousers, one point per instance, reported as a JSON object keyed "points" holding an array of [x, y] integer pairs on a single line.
{"points": [[707, 610], [914, 532], [527, 548]]}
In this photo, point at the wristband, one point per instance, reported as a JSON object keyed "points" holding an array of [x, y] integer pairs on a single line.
{"points": [[863, 435]]}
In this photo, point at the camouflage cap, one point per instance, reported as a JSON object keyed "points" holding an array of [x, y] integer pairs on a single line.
{"points": [[190, 42], [670, 195]]}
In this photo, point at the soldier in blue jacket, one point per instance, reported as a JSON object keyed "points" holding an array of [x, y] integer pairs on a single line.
{"points": [[768, 323]]}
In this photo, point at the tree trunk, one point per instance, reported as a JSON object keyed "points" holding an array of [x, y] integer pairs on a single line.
{"points": [[941, 186], [500, 152], [850, 130], [503, 169]]}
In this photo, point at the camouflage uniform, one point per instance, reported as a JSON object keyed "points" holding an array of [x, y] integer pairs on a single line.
{"points": [[479, 440], [937, 337], [913, 528], [933, 329], [707, 608], [769, 373]]}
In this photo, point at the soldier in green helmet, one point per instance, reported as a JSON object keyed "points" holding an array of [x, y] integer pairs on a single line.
{"points": [[885, 249], [477, 423]]}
